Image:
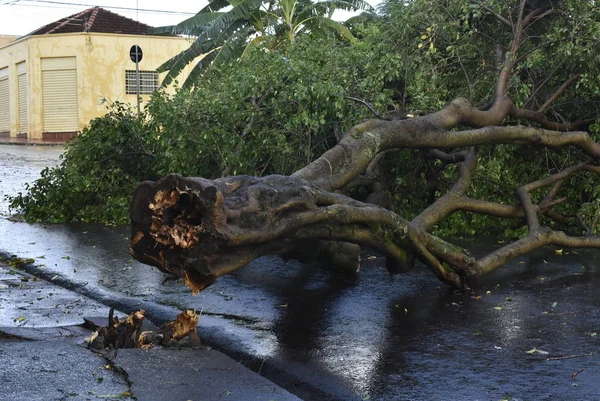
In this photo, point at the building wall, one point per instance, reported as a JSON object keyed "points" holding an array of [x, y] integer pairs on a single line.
{"points": [[4, 39], [102, 60]]}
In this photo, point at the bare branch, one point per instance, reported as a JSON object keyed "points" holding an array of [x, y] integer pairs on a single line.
{"points": [[250, 124], [537, 13], [523, 135], [551, 194], [519, 27], [511, 56], [545, 123], [368, 106], [372, 168], [531, 215], [532, 186], [565, 219], [496, 14], [582, 224], [558, 92], [336, 131]]}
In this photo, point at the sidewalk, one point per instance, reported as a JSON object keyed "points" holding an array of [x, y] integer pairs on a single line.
{"points": [[44, 356]]}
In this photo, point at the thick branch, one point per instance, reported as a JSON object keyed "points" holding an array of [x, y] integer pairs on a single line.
{"points": [[360, 181], [536, 239], [447, 158], [355, 151], [545, 123], [450, 201], [538, 236], [468, 204]]}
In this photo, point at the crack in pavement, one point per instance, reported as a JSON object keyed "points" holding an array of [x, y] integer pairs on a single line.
{"points": [[112, 363]]}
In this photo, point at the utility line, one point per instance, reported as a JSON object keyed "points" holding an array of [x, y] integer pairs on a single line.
{"points": [[90, 5]]}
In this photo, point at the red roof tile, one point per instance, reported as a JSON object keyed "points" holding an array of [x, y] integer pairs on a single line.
{"points": [[95, 19]]}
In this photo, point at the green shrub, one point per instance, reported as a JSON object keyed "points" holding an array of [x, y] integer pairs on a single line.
{"points": [[97, 174]]}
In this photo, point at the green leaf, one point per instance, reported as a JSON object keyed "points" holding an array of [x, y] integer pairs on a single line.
{"points": [[195, 25]]}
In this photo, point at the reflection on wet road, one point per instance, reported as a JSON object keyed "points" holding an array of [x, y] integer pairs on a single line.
{"points": [[378, 338]]}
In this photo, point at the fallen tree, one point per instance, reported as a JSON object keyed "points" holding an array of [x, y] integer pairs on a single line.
{"points": [[200, 229]]}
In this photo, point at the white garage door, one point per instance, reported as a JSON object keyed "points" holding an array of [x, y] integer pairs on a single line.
{"points": [[4, 101], [59, 94], [22, 96]]}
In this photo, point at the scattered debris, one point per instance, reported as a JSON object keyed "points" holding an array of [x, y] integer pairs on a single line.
{"points": [[558, 358], [574, 375], [16, 262], [127, 332], [537, 351]]}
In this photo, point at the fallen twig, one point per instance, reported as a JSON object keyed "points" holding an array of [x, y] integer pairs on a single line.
{"points": [[558, 358]]}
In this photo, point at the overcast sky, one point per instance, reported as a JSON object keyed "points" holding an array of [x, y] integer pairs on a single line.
{"points": [[19, 17]]}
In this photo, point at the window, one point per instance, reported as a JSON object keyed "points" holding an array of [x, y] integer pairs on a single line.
{"points": [[148, 82]]}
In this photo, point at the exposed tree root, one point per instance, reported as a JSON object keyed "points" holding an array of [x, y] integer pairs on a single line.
{"points": [[127, 332]]}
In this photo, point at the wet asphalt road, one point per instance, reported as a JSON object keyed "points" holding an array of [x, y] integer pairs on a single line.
{"points": [[521, 334], [20, 165]]}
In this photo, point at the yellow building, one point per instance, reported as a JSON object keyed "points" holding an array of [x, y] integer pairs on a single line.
{"points": [[59, 77], [4, 39]]}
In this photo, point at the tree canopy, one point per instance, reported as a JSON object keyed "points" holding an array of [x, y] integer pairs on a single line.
{"points": [[225, 29]]}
